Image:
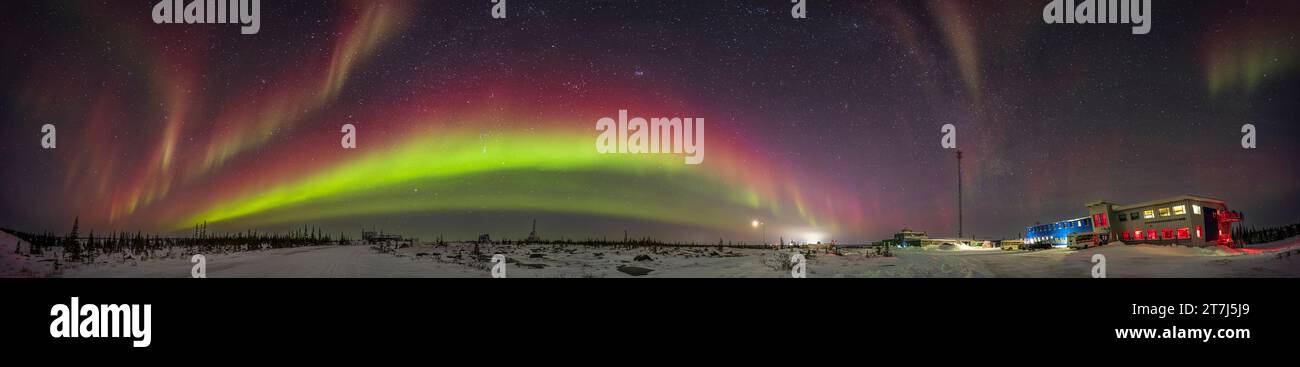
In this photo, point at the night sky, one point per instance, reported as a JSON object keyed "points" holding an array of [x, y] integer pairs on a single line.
{"points": [[826, 128]]}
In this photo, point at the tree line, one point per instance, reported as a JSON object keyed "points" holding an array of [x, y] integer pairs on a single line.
{"points": [[1253, 235], [78, 248]]}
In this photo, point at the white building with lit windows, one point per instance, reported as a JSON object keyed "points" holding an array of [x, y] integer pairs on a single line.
{"points": [[1185, 220]]}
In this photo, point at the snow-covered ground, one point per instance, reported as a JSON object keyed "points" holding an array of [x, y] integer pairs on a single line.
{"points": [[13, 262], [1122, 261], [575, 261], [303, 262]]}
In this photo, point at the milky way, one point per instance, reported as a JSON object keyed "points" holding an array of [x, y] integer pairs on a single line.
{"points": [[824, 127]]}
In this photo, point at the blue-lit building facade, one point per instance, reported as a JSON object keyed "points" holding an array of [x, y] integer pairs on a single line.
{"points": [[1057, 234]]}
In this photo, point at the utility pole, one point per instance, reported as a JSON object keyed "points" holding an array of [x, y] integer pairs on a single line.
{"points": [[959, 212]]}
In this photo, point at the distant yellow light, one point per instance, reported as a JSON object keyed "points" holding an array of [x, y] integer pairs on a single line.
{"points": [[754, 223]]}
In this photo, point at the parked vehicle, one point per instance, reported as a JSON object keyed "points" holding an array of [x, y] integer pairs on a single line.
{"points": [[1081, 241], [1036, 246], [1012, 245]]}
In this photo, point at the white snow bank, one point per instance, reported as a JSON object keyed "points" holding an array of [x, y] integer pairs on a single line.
{"points": [[958, 247], [15, 263], [1145, 249]]}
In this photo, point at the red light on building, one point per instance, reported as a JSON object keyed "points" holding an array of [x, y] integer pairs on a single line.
{"points": [[1137, 235], [1183, 233], [1198, 232], [1151, 235], [1226, 218], [1100, 220]]}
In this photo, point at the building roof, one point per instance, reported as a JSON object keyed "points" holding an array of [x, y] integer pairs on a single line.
{"points": [[1162, 201], [1059, 221]]}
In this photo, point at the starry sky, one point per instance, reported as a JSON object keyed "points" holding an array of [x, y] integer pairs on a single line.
{"points": [[826, 128]]}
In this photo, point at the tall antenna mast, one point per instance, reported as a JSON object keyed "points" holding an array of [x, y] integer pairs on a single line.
{"points": [[959, 212]]}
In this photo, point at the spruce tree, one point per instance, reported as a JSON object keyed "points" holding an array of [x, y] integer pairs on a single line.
{"points": [[72, 248]]}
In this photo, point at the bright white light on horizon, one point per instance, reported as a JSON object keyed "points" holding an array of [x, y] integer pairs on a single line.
{"points": [[754, 223], [813, 237]]}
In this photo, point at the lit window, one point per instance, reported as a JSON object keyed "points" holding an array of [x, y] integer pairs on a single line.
{"points": [[1198, 231], [1127, 236], [1137, 235], [1164, 212], [1196, 209], [1183, 233], [1148, 214], [1151, 234], [1180, 210], [1167, 234]]}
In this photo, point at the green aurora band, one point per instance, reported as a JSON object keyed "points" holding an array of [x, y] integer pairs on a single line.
{"points": [[539, 172]]}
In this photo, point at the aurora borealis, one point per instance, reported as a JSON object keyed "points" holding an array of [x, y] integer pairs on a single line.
{"points": [[826, 127]]}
